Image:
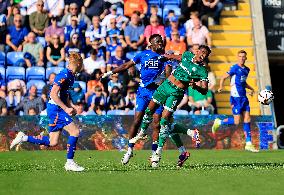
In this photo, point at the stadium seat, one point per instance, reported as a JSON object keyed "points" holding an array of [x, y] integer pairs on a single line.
{"points": [[116, 112], [13, 72], [15, 58], [3, 73], [2, 58], [131, 112], [171, 2], [181, 112], [83, 85], [35, 73], [154, 2], [50, 70], [38, 83], [171, 7]]}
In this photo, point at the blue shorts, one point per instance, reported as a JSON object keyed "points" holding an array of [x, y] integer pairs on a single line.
{"points": [[57, 118], [143, 98], [239, 105]]}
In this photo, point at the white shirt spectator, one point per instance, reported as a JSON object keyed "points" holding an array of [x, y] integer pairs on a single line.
{"points": [[90, 65], [30, 5], [188, 25], [93, 34], [54, 7], [120, 19]]}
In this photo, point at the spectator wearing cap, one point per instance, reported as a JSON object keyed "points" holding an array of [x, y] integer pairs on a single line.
{"points": [[121, 20], [55, 53], [69, 30], [83, 20], [33, 51], [98, 101], [31, 100], [211, 8], [46, 89], [95, 32], [117, 60], [54, 29], [154, 28], [96, 8], [75, 45], [16, 35], [175, 44], [134, 33], [174, 26], [76, 94], [199, 34], [54, 7], [92, 63], [115, 32], [135, 5], [39, 19]]}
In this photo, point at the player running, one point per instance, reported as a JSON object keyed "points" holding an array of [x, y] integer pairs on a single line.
{"points": [[154, 67], [239, 101], [170, 94], [59, 113]]}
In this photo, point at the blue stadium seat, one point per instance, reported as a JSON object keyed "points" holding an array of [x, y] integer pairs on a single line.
{"points": [[15, 58], [166, 9], [36, 73], [2, 58], [13, 72], [181, 112], [120, 11], [83, 85], [3, 73], [39, 85], [116, 112], [154, 2], [171, 2], [50, 70]]}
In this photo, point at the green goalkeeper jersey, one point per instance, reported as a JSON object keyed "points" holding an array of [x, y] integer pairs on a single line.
{"points": [[188, 70]]}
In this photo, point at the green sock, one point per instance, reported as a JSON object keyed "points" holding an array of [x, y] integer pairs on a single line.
{"points": [[175, 138], [177, 128], [164, 132], [147, 119]]}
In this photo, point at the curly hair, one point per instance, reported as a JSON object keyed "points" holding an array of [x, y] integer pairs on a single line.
{"points": [[75, 58]]}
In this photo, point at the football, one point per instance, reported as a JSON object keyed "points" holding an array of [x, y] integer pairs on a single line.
{"points": [[265, 97]]}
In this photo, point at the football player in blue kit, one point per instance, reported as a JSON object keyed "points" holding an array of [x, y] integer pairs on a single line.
{"points": [[154, 69], [59, 113], [238, 100]]}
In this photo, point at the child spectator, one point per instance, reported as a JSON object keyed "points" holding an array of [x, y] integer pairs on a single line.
{"points": [[32, 112], [76, 94], [115, 100], [114, 83], [98, 101]]}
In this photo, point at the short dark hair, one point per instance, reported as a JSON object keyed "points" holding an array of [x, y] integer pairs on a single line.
{"points": [[205, 47], [242, 51], [93, 52], [137, 13], [154, 36]]}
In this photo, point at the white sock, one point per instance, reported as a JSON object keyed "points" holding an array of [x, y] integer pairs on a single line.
{"points": [[181, 149], [130, 149], [159, 150], [190, 133], [25, 138], [70, 160]]}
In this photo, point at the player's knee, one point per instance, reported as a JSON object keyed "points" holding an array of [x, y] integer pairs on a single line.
{"points": [[237, 121], [247, 119], [53, 142], [74, 132]]}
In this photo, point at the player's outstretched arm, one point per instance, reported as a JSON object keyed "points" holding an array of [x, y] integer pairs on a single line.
{"points": [[119, 69], [168, 70], [54, 96], [250, 88], [201, 86]]}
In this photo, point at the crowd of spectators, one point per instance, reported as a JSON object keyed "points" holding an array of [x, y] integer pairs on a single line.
{"points": [[107, 33]]}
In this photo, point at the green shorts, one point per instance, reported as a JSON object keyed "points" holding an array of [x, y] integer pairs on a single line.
{"points": [[169, 95]]}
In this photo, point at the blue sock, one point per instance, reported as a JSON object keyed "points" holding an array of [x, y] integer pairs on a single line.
{"points": [[229, 122], [154, 146], [247, 132], [71, 146], [131, 145], [43, 141]]}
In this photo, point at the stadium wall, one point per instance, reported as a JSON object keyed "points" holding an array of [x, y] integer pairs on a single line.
{"points": [[110, 133]]}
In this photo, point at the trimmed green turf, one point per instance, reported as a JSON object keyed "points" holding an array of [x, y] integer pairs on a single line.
{"points": [[207, 172]]}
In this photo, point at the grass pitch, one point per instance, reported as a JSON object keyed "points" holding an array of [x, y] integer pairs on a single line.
{"points": [[206, 172]]}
